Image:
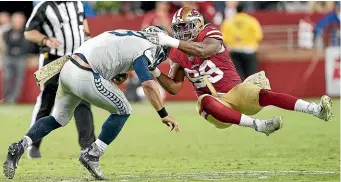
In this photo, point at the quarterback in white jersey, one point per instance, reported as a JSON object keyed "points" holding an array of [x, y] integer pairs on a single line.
{"points": [[90, 74], [122, 46]]}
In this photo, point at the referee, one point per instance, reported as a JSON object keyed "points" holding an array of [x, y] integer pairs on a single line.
{"points": [[59, 28]]}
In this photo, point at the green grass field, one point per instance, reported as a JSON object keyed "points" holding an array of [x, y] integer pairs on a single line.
{"points": [[306, 149]]}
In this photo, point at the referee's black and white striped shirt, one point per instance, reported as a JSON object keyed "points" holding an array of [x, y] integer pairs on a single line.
{"points": [[62, 20]]}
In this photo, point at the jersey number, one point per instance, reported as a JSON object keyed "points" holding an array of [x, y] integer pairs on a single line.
{"points": [[127, 33], [208, 68]]}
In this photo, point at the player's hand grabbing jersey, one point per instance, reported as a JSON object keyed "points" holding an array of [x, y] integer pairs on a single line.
{"points": [[218, 68]]}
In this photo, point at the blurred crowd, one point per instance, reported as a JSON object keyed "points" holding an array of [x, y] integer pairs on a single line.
{"points": [[214, 11], [14, 49]]}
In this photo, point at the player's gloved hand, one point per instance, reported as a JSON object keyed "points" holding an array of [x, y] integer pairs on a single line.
{"points": [[162, 39], [171, 123], [120, 78]]}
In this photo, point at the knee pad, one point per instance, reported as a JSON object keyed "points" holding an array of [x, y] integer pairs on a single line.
{"points": [[208, 117]]}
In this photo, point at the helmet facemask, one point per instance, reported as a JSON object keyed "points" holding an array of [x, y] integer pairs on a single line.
{"points": [[185, 30]]}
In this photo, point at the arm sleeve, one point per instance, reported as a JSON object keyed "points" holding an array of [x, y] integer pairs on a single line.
{"points": [[141, 69], [36, 19]]}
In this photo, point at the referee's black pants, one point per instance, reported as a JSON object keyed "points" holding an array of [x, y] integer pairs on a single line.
{"points": [[82, 114], [245, 63]]}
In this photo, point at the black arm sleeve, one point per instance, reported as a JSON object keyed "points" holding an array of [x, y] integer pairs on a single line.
{"points": [[37, 18]]}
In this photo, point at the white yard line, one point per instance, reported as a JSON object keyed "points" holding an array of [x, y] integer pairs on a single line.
{"points": [[222, 175], [212, 176]]}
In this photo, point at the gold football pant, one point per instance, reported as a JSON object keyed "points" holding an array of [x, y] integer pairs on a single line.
{"points": [[243, 98]]}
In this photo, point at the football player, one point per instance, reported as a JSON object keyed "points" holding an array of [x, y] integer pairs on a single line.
{"points": [[88, 74], [199, 54]]}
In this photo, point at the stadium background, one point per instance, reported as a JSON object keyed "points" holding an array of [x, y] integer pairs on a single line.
{"points": [[306, 149], [279, 53]]}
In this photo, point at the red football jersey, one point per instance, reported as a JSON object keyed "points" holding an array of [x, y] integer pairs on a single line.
{"points": [[218, 68]]}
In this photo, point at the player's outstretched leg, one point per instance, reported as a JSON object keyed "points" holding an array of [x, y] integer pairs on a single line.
{"points": [[110, 129], [220, 114], [323, 110], [40, 129]]}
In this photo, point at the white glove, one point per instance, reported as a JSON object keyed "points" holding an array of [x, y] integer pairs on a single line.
{"points": [[162, 39]]}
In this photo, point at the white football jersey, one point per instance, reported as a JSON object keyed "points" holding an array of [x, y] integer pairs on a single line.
{"points": [[113, 52]]}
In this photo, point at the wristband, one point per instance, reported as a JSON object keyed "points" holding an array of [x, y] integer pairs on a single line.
{"points": [[162, 113], [87, 34], [42, 41], [156, 73], [172, 42]]}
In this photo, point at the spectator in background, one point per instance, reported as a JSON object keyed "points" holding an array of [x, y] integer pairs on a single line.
{"points": [[321, 6], [159, 16], [5, 21], [241, 34], [332, 21], [15, 56], [5, 25], [89, 11], [207, 9], [230, 9]]}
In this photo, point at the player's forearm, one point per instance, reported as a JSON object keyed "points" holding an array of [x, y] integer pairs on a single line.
{"points": [[34, 36], [194, 49], [169, 84], [191, 48], [152, 93]]}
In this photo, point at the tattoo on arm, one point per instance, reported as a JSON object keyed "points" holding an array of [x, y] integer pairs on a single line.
{"points": [[199, 46]]}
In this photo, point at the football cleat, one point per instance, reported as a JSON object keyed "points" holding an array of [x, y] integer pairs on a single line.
{"points": [[324, 109], [15, 151], [269, 126], [90, 160], [33, 152]]}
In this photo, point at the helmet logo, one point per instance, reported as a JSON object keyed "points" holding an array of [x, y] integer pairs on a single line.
{"points": [[195, 12]]}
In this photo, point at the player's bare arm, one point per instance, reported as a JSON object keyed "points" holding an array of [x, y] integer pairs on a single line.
{"points": [[207, 48], [152, 92], [173, 82]]}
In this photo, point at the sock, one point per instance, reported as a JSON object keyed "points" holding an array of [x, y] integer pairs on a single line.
{"points": [[112, 127], [304, 106], [247, 121], [101, 145], [42, 127], [26, 142], [211, 106], [284, 101]]}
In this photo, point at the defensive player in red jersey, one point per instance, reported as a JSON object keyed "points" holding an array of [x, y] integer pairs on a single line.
{"points": [[199, 54]]}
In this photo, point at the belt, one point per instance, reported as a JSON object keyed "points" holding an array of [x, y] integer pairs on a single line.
{"points": [[80, 62]]}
